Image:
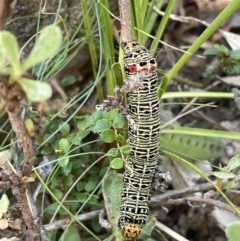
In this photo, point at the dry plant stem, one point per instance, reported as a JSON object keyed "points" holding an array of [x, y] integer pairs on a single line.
{"points": [[170, 232], [11, 95], [188, 200], [23, 137], [126, 20], [19, 190], [180, 192], [64, 222]]}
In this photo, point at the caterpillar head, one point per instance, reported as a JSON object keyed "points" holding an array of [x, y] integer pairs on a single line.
{"points": [[127, 46], [137, 59]]}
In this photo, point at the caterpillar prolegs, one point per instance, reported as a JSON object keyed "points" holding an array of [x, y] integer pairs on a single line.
{"points": [[143, 115]]}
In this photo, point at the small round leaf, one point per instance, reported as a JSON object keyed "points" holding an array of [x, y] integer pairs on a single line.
{"points": [[112, 152], [107, 136], [116, 163]]}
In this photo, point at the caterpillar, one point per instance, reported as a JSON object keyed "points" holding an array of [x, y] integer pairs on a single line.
{"points": [[143, 137], [143, 116]]}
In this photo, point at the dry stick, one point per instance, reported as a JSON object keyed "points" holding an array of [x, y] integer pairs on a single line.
{"points": [[188, 200], [126, 20], [170, 232], [180, 192], [11, 95]]}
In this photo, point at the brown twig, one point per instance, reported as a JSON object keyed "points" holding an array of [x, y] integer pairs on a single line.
{"points": [[212, 202], [126, 20], [180, 192], [165, 198], [64, 222], [19, 190], [12, 95]]}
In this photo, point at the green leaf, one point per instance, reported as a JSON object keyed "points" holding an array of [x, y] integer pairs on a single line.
{"points": [[84, 122], [92, 183], [95, 116], [110, 115], [9, 47], [230, 184], [58, 194], [81, 197], [212, 52], [80, 186], [3, 68], [222, 48], [234, 163], [112, 152], [71, 233], [68, 181], [68, 80], [95, 225], [119, 138], [65, 129], [48, 43], [232, 231], [67, 168], [116, 163], [35, 91], [107, 136], [223, 175], [63, 161], [4, 203], [64, 145], [46, 150], [111, 186], [51, 209], [235, 54], [119, 121], [101, 125], [126, 149], [83, 134]]}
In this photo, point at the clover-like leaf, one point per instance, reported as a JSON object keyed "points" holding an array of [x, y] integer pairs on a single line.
{"points": [[9, 48], [116, 163], [46, 46], [35, 91]]}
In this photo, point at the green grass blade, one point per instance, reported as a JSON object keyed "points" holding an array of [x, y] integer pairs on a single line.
{"points": [[88, 19], [107, 44], [150, 18], [203, 132], [186, 94], [162, 26]]}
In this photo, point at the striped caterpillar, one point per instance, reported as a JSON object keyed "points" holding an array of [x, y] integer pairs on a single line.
{"points": [[143, 115], [143, 108]]}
